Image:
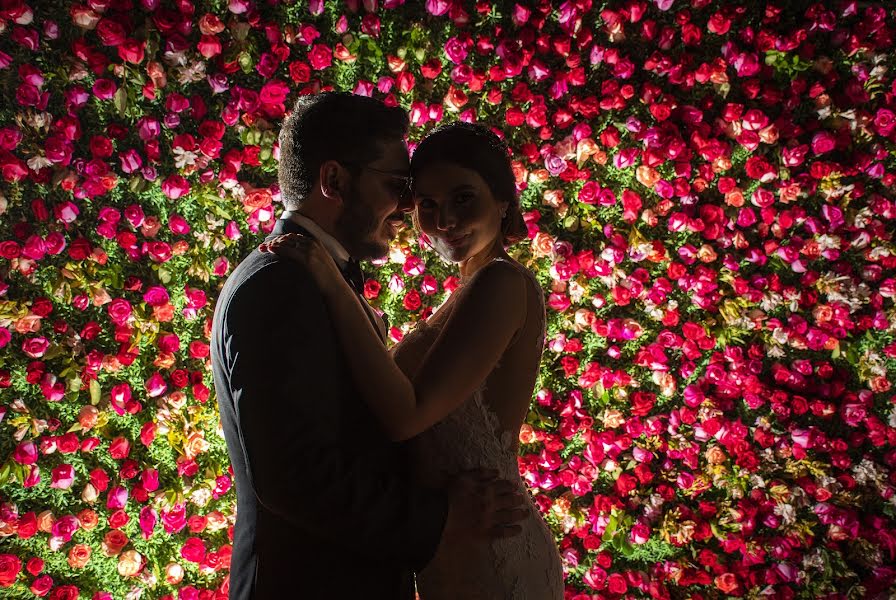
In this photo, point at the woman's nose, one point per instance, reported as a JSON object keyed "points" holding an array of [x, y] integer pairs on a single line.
{"points": [[445, 220]]}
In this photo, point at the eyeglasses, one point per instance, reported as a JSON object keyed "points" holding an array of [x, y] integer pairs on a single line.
{"points": [[402, 182]]}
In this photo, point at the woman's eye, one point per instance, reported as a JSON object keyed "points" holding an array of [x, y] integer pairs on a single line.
{"points": [[464, 198], [425, 203]]}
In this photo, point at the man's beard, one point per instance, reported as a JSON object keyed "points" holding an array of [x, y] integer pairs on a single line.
{"points": [[357, 227]]}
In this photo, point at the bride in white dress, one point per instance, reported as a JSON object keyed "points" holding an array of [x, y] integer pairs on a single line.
{"points": [[460, 383]]}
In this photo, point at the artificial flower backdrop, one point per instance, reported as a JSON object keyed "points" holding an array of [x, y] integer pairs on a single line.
{"points": [[709, 193]]}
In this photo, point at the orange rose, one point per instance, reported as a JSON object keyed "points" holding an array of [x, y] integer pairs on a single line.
{"points": [[726, 582], [45, 521], [113, 542], [823, 313], [174, 573], [455, 99], [706, 254], [195, 444], [88, 519], [87, 416], [130, 563], [216, 520], [553, 198], [163, 313], [769, 135], [157, 74], [520, 173], [258, 198], [177, 399], [715, 455], [880, 384], [165, 360], [539, 175], [735, 198], [27, 324], [180, 247], [79, 556], [210, 24], [84, 17], [527, 434], [647, 176], [151, 226], [542, 244]]}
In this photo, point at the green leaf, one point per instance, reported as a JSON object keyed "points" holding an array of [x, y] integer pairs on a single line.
{"points": [[121, 101], [95, 392]]}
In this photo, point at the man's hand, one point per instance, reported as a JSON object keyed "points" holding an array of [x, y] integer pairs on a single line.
{"points": [[483, 507]]}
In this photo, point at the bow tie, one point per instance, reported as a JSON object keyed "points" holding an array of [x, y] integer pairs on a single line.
{"points": [[354, 275]]}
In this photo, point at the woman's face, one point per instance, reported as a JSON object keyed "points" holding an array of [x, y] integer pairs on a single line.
{"points": [[456, 210]]}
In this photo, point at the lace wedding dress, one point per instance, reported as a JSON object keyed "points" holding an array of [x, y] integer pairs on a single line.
{"points": [[523, 567]]}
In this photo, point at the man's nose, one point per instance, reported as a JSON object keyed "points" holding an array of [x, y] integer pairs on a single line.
{"points": [[405, 202]]}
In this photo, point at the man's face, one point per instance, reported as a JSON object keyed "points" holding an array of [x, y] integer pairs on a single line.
{"points": [[375, 203]]}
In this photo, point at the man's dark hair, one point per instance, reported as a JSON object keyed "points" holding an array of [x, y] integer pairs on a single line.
{"points": [[332, 126]]}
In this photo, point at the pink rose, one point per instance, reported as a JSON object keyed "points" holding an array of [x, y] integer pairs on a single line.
{"points": [[175, 186], [169, 342], [823, 142], [65, 527], [117, 497], [35, 347], [119, 311], [62, 477], [104, 89]]}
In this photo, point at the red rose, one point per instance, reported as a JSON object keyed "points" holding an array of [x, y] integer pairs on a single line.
{"points": [[209, 46], [616, 584], [372, 289], [27, 525], [320, 57], [42, 585], [132, 51], [35, 566], [642, 403], [10, 567], [412, 300], [10, 250], [193, 550], [110, 32], [119, 448], [118, 519], [64, 592]]}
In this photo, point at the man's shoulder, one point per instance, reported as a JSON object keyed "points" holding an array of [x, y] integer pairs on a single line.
{"points": [[268, 276]]}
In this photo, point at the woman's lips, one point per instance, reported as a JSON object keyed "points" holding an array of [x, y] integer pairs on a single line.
{"points": [[457, 240]]}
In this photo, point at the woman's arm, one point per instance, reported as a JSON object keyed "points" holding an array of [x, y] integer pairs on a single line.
{"points": [[483, 321]]}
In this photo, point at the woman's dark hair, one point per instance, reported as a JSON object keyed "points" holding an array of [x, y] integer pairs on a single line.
{"points": [[477, 148], [332, 126]]}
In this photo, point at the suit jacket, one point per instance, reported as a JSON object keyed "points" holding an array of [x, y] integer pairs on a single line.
{"points": [[324, 503]]}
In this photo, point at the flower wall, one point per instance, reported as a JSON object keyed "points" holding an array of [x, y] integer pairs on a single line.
{"points": [[709, 193]]}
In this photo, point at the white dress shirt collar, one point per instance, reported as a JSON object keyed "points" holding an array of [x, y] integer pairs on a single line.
{"points": [[336, 250]]}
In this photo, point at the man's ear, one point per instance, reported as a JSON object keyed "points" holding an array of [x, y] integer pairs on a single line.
{"points": [[333, 179]]}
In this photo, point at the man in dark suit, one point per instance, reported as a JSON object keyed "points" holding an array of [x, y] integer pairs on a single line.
{"points": [[324, 504]]}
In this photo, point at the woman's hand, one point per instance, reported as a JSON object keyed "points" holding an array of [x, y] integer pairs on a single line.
{"points": [[309, 252]]}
